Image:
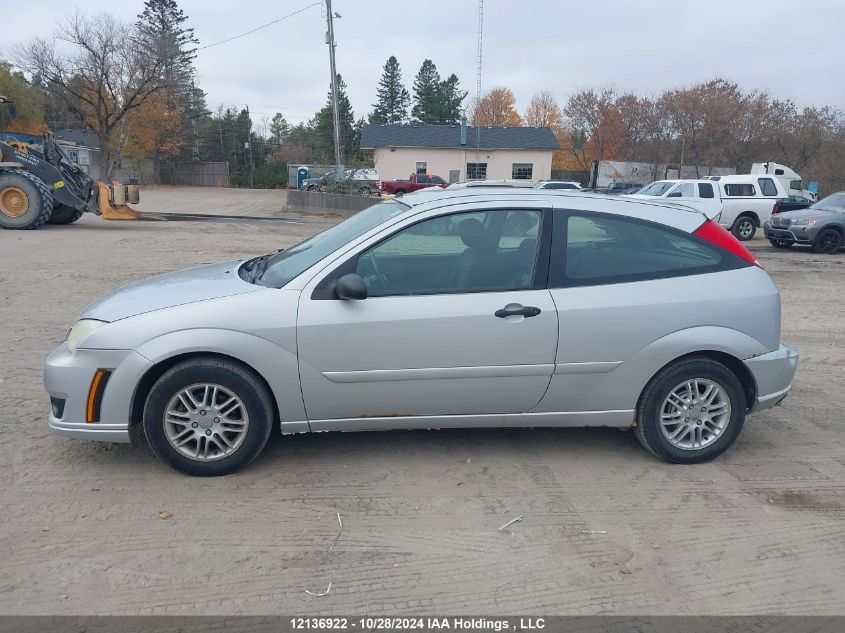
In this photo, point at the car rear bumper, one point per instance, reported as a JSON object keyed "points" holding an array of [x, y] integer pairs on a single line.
{"points": [[773, 374], [68, 379]]}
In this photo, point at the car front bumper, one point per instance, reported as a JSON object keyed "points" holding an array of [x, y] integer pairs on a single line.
{"points": [[773, 374], [797, 234], [68, 380]]}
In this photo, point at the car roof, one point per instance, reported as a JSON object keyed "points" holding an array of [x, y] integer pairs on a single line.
{"points": [[659, 210], [684, 180]]}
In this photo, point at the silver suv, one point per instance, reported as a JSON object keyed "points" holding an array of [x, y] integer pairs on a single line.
{"points": [[459, 308]]}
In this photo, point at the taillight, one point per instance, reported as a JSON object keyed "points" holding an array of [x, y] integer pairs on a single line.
{"points": [[716, 234]]}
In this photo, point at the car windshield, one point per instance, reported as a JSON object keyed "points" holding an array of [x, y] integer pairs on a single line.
{"points": [[833, 202], [657, 188], [277, 269]]}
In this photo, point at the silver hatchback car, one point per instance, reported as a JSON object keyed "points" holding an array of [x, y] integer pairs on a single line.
{"points": [[465, 308]]}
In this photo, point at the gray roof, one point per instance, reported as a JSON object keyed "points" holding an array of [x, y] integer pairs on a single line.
{"points": [[77, 136], [449, 136]]}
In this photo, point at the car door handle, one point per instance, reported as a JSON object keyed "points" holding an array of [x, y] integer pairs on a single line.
{"points": [[517, 310]]}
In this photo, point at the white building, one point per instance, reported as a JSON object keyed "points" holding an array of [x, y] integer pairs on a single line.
{"points": [[461, 152]]}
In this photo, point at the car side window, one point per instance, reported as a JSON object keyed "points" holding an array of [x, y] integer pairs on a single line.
{"points": [[705, 190], [684, 190], [594, 249], [437, 180], [463, 252], [422, 178], [767, 186], [740, 189]]}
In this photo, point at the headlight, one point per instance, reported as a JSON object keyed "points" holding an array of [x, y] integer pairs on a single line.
{"points": [[81, 330], [805, 222]]}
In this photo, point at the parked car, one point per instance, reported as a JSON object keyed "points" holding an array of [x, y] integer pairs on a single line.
{"points": [[526, 308], [792, 203], [361, 181], [557, 184], [413, 183], [468, 184], [700, 194], [621, 188], [748, 201], [821, 226]]}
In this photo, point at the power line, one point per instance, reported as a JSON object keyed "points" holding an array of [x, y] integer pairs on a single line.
{"points": [[258, 28]]}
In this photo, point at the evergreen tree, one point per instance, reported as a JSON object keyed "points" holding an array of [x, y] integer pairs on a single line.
{"points": [[161, 27], [451, 100], [279, 129], [393, 97], [427, 94], [323, 126]]}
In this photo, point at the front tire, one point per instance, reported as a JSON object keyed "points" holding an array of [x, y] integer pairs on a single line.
{"points": [[691, 412], [208, 417], [744, 228], [64, 214], [828, 241]]}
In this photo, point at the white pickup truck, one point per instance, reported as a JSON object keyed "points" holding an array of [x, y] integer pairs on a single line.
{"points": [[741, 203]]}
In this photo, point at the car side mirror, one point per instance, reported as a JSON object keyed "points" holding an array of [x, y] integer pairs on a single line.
{"points": [[675, 194], [351, 286]]}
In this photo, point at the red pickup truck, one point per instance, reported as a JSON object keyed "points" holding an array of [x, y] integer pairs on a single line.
{"points": [[414, 182]]}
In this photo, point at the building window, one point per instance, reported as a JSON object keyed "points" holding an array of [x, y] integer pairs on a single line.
{"points": [[476, 171], [422, 168], [522, 171]]}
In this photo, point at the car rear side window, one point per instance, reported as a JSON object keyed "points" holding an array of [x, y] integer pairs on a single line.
{"points": [[767, 186], [705, 190], [740, 189], [593, 249]]}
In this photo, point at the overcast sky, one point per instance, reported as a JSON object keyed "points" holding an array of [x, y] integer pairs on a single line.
{"points": [[791, 50]]}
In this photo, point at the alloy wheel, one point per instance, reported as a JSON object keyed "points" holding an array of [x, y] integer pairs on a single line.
{"points": [[205, 422], [695, 414]]}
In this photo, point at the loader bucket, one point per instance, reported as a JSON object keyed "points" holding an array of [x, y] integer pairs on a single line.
{"points": [[109, 212]]}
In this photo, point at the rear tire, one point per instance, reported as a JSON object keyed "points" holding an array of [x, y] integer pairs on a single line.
{"points": [[25, 201], [208, 417], [64, 214], [661, 413], [744, 228], [828, 241]]}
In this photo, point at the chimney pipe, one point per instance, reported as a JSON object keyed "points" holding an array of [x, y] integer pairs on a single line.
{"points": [[463, 130]]}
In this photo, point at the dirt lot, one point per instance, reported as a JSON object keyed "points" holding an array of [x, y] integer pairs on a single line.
{"points": [[607, 528]]}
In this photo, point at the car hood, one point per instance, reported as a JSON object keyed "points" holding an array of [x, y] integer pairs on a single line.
{"points": [[164, 291], [800, 214]]}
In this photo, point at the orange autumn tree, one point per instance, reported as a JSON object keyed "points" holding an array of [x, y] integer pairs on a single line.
{"points": [[154, 130], [497, 108]]}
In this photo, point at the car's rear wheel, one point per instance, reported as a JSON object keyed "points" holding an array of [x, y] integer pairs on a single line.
{"points": [[208, 417], [691, 411], [828, 241], [781, 243], [744, 228]]}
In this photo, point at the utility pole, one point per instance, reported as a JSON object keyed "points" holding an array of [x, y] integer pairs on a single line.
{"points": [[338, 167], [248, 146]]}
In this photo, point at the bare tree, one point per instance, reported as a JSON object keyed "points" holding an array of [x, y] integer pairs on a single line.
{"points": [[108, 71], [584, 114]]}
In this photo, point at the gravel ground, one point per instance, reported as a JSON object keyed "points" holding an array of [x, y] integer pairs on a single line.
{"points": [[607, 529]]}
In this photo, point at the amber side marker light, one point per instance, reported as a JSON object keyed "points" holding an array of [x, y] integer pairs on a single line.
{"points": [[95, 395]]}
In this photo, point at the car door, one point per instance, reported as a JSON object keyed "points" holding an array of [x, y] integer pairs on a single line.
{"points": [[458, 324]]}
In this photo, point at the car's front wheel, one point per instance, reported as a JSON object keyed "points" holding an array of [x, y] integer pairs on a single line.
{"points": [[828, 241], [691, 411], [208, 417]]}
